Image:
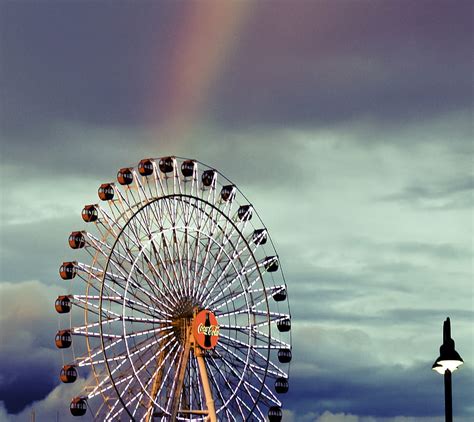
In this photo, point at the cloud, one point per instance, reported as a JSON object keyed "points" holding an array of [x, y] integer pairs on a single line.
{"points": [[30, 363], [317, 68], [364, 275], [442, 195], [55, 406]]}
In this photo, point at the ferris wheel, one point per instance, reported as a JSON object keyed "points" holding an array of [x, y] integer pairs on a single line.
{"points": [[184, 306]]}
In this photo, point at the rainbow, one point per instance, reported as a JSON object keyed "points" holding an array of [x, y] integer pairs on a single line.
{"points": [[206, 34]]}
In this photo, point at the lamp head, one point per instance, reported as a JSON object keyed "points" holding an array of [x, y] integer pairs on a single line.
{"points": [[448, 357]]}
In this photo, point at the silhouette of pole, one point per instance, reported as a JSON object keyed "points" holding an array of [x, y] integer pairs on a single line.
{"points": [[448, 396], [448, 387]]}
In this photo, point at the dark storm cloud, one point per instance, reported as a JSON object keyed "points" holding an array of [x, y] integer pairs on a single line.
{"points": [[323, 62], [91, 62], [368, 382], [304, 62], [30, 363], [389, 390]]}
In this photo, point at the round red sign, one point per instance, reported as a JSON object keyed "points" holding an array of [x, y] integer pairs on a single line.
{"points": [[206, 329]]}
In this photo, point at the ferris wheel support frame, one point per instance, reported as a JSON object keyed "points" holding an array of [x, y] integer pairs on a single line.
{"points": [[190, 344]]}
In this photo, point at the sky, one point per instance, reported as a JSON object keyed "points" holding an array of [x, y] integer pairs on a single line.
{"points": [[348, 124]]}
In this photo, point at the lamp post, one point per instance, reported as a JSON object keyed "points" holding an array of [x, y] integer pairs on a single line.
{"points": [[447, 362]]}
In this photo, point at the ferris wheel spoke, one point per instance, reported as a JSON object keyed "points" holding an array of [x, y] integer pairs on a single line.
{"points": [[185, 272], [158, 182], [136, 285], [167, 402], [161, 260], [139, 349], [177, 179], [156, 293], [274, 316], [225, 240], [221, 256], [230, 388], [169, 256], [118, 265], [215, 382], [135, 396], [233, 342], [243, 384], [246, 365], [108, 416], [150, 283], [179, 259], [131, 303], [260, 338], [205, 274], [188, 262], [258, 295], [207, 217], [95, 334], [169, 211], [237, 277], [166, 294], [136, 376], [87, 301], [216, 260], [224, 275], [89, 360], [107, 385], [108, 222]]}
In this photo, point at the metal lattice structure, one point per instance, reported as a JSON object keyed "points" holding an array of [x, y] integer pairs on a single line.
{"points": [[174, 237]]}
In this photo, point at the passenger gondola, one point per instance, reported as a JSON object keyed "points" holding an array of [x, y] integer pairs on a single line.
{"points": [[68, 270], [208, 177], [63, 305], [279, 294], [68, 374], [187, 168], [275, 414], [271, 264], [284, 355], [228, 193], [166, 164], [284, 325], [76, 240], [90, 213], [260, 237], [281, 385], [78, 406], [63, 339], [244, 212], [125, 176], [106, 191], [145, 167]]}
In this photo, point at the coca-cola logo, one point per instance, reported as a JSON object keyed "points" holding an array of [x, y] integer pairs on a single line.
{"points": [[206, 329], [212, 330]]}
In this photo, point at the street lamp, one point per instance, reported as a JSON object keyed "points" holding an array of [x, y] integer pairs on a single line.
{"points": [[447, 362]]}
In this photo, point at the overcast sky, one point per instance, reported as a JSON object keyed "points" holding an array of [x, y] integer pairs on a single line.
{"points": [[346, 123]]}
